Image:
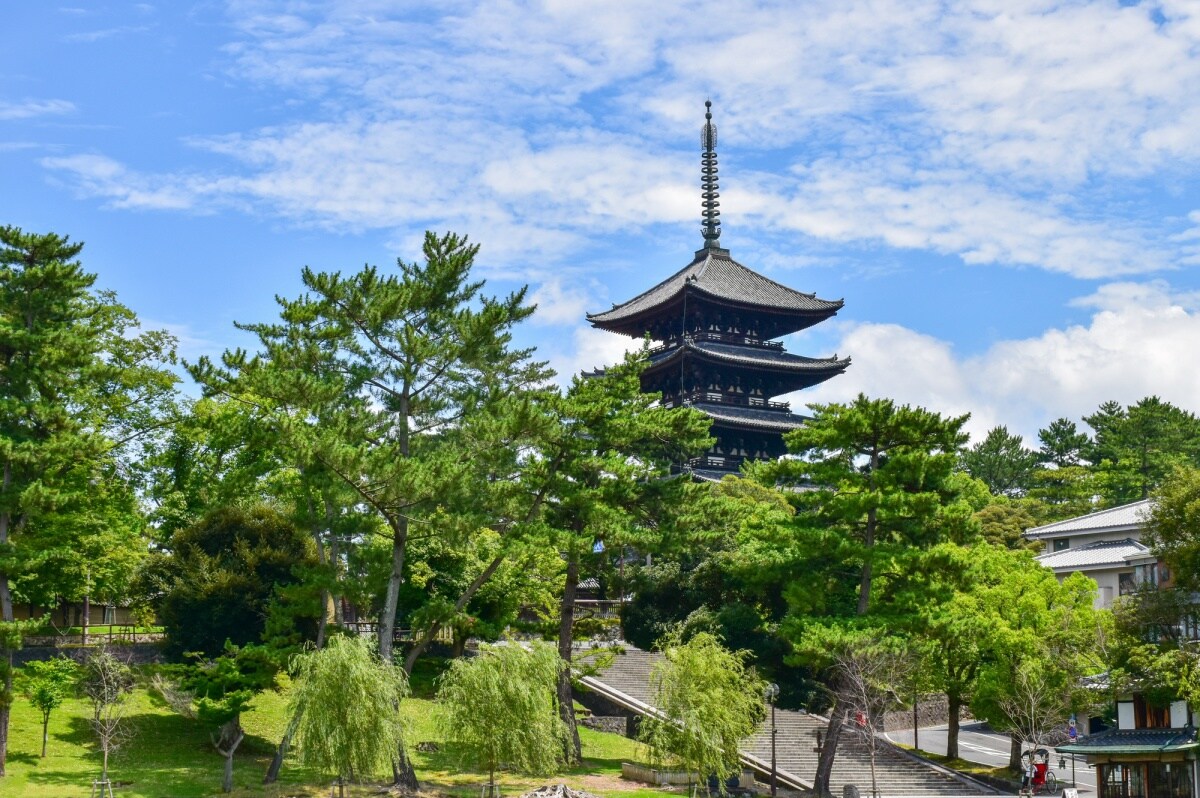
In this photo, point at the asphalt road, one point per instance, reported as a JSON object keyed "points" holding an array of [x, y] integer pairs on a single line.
{"points": [[977, 743]]}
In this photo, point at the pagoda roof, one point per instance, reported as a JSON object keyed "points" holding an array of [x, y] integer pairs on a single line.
{"points": [[714, 274], [750, 417], [758, 357]]}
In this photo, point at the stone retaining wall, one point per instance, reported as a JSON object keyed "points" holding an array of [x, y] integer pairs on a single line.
{"points": [[606, 723], [932, 710], [133, 653]]}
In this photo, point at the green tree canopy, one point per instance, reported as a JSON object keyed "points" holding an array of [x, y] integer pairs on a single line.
{"points": [[80, 386], [1137, 447], [224, 687], [1036, 636], [1063, 445], [502, 707], [880, 475], [236, 575], [346, 702], [1172, 530], [384, 379], [47, 683], [1002, 462], [710, 702]]}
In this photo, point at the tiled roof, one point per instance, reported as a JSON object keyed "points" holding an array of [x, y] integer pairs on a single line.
{"points": [[1131, 741], [749, 417], [1126, 517], [710, 474], [718, 275], [1094, 555], [762, 357]]}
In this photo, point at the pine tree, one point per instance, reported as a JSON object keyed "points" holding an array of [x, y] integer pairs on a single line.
{"points": [[78, 386]]}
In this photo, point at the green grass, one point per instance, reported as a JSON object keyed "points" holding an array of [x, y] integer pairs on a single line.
{"points": [[170, 756], [970, 768], [167, 756]]}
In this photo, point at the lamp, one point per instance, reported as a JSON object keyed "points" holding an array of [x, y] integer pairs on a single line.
{"points": [[771, 694]]}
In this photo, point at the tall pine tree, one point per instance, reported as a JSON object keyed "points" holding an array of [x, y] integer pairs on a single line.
{"points": [[78, 386]]}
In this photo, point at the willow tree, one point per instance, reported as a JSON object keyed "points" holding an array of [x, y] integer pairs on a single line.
{"points": [[501, 706], [345, 706], [709, 700]]}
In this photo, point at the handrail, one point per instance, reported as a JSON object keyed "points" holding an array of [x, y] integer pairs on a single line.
{"points": [[785, 778], [740, 339]]}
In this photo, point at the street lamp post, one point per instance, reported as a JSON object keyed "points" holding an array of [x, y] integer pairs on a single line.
{"points": [[771, 693]]}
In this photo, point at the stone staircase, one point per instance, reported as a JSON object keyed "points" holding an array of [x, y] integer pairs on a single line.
{"points": [[896, 772]]}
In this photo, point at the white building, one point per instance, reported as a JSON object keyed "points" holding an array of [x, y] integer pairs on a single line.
{"points": [[1104, 545]]}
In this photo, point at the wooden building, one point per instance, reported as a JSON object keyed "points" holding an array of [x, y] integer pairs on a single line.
{"points": [[1151, 754]]}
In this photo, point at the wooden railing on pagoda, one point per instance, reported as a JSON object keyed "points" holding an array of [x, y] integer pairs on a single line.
{"points": [[740, 339], [721, 462], [725, 398]]}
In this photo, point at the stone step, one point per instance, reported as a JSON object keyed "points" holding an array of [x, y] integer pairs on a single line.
{"points": [[895, 773]]}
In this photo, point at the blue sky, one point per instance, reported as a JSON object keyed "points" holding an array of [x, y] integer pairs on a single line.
{"points": [[1005, 193]]}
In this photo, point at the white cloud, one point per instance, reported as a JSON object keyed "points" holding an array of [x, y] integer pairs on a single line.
{"points": [[90, 36], [100, 176], [558, 303], [1136, 344], [587, 349], [1006, 133], [28, 109]]}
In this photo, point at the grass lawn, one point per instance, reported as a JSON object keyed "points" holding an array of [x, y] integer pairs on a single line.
{"points": [[170, 756], [1001, 773]]}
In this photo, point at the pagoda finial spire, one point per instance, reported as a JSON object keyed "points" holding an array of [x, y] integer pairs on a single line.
{"points": [[708, 181]]}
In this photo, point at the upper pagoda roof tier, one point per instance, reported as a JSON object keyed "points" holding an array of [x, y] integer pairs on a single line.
{"points": [[758, 357], [715, 276]]}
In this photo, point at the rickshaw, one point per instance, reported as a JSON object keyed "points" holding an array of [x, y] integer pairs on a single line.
{"points": [[1037, 777]]}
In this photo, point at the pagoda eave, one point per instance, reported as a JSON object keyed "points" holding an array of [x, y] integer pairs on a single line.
{"points": [[779, 323], [744, 418]]}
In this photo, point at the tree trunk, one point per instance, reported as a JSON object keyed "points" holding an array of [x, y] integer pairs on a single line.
{"points": [[86, 618], [45, 732], [231, 734], [6, 614], [828, 751], [427, 636], [566, 621], [335, 561], [953, 706], [281, 751], [387, 618], [1014, 752], [874, 780], [403, 774], [864, 586]]}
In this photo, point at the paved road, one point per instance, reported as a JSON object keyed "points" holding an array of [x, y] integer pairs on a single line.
{"points": [[977, 743]]}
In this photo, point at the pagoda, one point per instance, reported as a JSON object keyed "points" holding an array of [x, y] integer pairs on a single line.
{"points": [[716, 322]]}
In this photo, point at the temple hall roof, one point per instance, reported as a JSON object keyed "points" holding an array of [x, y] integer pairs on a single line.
{"points": [[714, 274]]}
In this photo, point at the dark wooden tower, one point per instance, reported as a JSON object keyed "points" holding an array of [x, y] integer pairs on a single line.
{"points": [[715, 320]]}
